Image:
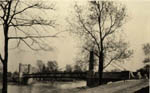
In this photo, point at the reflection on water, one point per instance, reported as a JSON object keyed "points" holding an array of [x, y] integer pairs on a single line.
{"points": [[48, 87]]}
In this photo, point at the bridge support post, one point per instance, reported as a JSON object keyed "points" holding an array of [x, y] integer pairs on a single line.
{"points": [[29, 69], [20, 73], [24, 81], [90, 75], [21, 79]]}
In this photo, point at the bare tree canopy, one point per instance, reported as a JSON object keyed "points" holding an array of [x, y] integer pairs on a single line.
{"points": [[146, 49], [68, 68], [98, 26], [80, 66], [52, 66], [146, 61], [26, 27], [40, 65], [19, 23]]}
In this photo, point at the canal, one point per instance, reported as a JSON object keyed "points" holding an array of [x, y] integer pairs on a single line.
{"points": [[46, 87]]}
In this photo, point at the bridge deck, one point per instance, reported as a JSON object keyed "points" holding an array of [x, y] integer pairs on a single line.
{"points": [[56, 75], [78, 75]]}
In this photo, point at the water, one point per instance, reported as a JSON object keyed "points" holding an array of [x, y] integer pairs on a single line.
{"points": [[46, 87]]}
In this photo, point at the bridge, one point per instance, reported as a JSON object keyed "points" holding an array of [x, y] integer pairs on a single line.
{"points": [[90, 76], [57, 76], [25, 74], [77, 75], [70, 76]]}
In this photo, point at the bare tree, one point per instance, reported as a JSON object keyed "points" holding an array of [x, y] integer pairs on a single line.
{"points": [[146, 49], [40, 65], [68, 68], [52, 66], [146, 61], [16, 16], [98, 25], [80, 66]]}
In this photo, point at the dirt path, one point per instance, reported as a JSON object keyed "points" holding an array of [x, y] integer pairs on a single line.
{"points": [[129, 86], [133, 87]]}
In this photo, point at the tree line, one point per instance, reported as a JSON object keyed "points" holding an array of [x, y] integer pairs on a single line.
{"points": [[52, 66]]}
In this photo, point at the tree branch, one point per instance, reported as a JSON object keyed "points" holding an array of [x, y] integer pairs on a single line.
{"points": [[109, 62], [9, 10], [90, 50], [99, 20], [110, 31], [83, 25], [30, 46], [117, 57], [15, 13], [4, 9], [17, 44], [26, 37], [30, 22], [1, 58]]}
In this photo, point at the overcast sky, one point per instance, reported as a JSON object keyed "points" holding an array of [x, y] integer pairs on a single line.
{"points": [[137, 31]]}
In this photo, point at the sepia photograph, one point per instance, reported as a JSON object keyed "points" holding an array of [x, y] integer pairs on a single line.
{"points": [[74, 46]]}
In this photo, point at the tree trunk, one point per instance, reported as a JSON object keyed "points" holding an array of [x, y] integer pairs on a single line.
{"points": [[4, 89], [5, 61], [101, 61]]}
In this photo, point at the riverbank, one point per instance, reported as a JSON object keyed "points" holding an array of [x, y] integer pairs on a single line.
{"points": [[128, 86], [45, 87]]}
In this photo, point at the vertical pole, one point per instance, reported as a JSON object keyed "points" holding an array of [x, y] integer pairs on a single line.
{"points": [[20, 72], [91, 61], [20, 68], [29, 68], [129, 75]]}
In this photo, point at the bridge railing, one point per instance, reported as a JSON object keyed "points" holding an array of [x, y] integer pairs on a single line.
{"points": [[79, 75]]}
